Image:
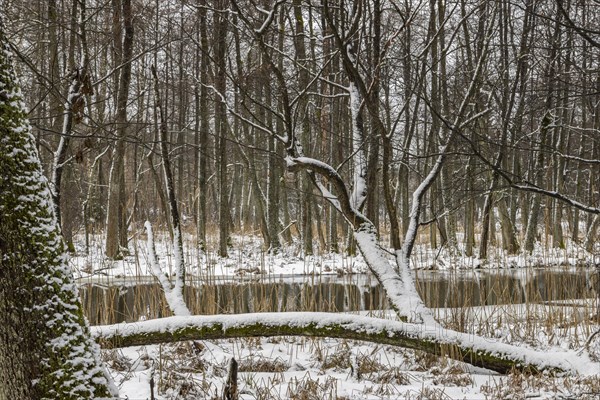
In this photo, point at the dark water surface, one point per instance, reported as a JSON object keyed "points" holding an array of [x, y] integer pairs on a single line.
{"points": [[141, 298]]}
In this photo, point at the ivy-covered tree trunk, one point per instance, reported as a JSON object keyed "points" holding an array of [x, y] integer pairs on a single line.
{"points": [[45, 347]]}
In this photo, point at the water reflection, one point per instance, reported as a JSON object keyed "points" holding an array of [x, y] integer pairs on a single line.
{"points": [[129, 301], [480, 288]]}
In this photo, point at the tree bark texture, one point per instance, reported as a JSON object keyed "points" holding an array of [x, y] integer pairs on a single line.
{"points": [[221, 127], [116, 225], [45, 351], [503, 358]]}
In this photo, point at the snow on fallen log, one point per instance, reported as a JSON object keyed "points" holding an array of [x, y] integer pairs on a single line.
{"points": [[475, 350]]}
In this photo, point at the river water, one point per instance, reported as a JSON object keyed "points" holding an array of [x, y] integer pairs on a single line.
{"points": [[132, 299]]}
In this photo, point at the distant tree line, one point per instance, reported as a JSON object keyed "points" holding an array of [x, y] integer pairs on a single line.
{"points": [[504, 95]]}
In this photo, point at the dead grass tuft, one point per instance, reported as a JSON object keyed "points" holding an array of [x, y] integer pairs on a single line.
{"points": [[262, 364], [116, 360], [308, 388], [452, 375]]}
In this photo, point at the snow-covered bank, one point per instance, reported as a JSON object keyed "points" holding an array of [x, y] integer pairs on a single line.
{"points": [[248, 258]]}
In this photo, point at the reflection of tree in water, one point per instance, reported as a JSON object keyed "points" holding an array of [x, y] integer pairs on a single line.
{"points": [[106, 305]]}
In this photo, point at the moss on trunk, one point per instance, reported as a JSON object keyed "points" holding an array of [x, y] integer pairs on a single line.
{"points": [[46, 351], [270, 324]]}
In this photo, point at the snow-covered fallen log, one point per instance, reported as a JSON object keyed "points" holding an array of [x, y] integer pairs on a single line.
{"points": [[475, 350]]}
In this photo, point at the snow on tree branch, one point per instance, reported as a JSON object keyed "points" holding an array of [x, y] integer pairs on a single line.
{"points": [[475, 350]]}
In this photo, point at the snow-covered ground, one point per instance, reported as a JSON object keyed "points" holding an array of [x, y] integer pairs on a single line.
{"points": [[247, 257], [309, 368], [300, 368]]}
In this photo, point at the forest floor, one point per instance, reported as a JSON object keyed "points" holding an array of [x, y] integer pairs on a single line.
{"points": [[247, 257], [311, 368]]}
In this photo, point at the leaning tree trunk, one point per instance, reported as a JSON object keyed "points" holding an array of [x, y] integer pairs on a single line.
{"points": [[465, 347], [46, 350], [179, 285]]}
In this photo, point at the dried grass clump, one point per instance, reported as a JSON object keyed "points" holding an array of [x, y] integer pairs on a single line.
{"points": [[116, 360], [425, 361], [520, 386], [452, 375], [312, 389], [393, 376], [428, 393], [185, 357], [262, 364], [340, 359], [177, 386], [177, 370], [592, 345], [368, 364]]}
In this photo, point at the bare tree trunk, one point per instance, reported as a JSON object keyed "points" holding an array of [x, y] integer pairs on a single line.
{"points": [[54, 65], [387, 193], [230, 391], [592, 234], [532, 221], [203, 130], [485, 225], [449, 216], [469, 220], [306, 187], [273, 199], [560, 144], [170, 188], [46, 350], [448, 219], [578, 181], [221, 124], [156, 178], [72, 105], [545, 130], [273, 192], [116, 225], [509, 236]]}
